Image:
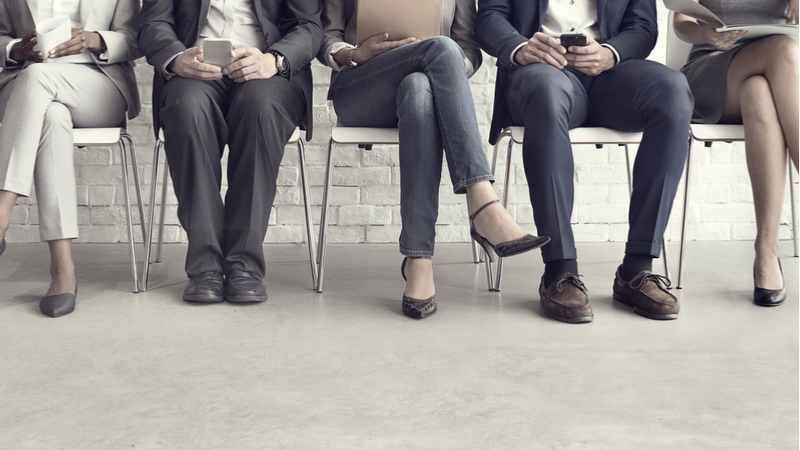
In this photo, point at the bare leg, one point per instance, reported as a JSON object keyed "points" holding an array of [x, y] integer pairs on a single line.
{"points": [[762, 93], [7, 201], [419, 272], [62, 269]]}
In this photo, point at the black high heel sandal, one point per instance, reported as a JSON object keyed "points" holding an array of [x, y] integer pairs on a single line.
{"points": [[3, 245], [508, 248], [769, 297], [416, 308]]}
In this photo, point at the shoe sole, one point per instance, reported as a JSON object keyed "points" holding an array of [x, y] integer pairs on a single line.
{"points": [[580, 319], [644, 313], [246, 299], [201, 299]]}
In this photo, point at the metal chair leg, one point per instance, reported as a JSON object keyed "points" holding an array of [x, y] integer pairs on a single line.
{"points": [[151, 216], [128, 209], [679, 285], [163, 214], [312, 251], [142, 217], [793, 199], [323, 225], [506, 191]]}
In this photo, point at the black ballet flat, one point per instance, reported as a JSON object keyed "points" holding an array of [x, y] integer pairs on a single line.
{"points": [[769, 297], [58, 305], [416, 308], [508, 248], [3, 246]]}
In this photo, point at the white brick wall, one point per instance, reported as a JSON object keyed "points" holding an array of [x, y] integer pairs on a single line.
{"points": [[366, 197]]}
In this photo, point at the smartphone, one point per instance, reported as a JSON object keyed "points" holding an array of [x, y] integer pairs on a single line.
{"points": [[217, 51], [573, 40]]}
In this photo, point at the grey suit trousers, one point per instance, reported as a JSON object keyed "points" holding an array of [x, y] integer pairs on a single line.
{"points": [[255, 119], [38, 110]]}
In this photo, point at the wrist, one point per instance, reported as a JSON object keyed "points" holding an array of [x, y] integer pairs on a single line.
{"points": [[96, 43]]}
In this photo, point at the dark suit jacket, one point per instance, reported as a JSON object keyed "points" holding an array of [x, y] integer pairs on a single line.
{"points": [[291, 27], [629, 26]]}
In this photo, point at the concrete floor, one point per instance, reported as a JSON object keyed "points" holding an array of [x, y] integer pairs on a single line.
{"points": [[346, 370]]}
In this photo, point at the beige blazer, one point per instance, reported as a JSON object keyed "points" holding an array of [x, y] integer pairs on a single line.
{"points": [[115, 21]]}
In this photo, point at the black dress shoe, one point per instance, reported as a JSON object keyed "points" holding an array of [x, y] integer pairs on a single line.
{"points": [[769, 297], [58, 305], [244, 287], [204, 288], [508, 248]]}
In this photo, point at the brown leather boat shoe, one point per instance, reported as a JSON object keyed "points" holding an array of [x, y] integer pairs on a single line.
{"points": [[566, 299], [647, 293]]}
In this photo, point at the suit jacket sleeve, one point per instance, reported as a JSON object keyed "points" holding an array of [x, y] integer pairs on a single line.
{"points": [[636, 34], [494, 31], [157, 39], [463, 33], [7, 33], [120, 39], [301, 27]]}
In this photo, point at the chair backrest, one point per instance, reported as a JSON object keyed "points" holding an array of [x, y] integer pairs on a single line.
{"points": [[677, 50]]}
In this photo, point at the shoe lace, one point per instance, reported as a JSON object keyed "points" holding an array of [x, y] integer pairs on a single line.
{"points": [[571, 278], [641, 278]]}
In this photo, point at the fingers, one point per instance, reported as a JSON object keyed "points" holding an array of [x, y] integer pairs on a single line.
{"points": [[71, 47], [547, 49]]}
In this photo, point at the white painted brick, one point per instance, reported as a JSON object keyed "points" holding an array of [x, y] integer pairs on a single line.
{"points": [[381, 195], [349, 176], [387, 234], [590, 232], [284, 234], [371, 215], [729, 212], [346, 235], [712, 231], [602, 213], [101, 195]]}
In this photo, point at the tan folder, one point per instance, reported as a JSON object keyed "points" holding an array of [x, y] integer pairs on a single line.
{"points": [[400, 18]]}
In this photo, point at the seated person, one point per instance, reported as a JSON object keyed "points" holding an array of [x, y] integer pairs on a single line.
{"points": [[752, 82], [550, 88], [41, 103], [253, 105]]}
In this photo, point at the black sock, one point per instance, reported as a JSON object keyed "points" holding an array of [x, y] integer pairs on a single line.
{"points": [[633, 264], [554, 269]]}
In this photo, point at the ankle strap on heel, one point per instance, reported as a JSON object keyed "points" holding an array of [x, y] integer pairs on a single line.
{"points": [[472, 216]]}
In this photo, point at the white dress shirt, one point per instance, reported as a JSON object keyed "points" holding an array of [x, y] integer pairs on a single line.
{"points": [[570, 17], [42, 10], [234, 20]]}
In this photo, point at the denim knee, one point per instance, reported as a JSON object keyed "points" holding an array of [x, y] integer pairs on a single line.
{"points": [[415, 96], [444, 49]]}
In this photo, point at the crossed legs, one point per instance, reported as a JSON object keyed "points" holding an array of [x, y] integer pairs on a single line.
{"points": [[762, 93]]}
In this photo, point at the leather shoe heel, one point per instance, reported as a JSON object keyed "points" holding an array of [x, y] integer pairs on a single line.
{"points": [[58, 305], [769, 297], [244, 287], [508, 248], [413, 307]]}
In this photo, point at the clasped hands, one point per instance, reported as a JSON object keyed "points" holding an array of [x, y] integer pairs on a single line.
{"points": [[249, 63], [81, 40], [591, 59]]}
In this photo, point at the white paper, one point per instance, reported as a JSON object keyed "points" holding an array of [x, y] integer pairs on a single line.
{"points": [[51, 33], [759, 31], [694, 9]]}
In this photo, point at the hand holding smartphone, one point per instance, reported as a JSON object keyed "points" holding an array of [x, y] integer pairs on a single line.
{"points": [[573, 40], [217, 52]]}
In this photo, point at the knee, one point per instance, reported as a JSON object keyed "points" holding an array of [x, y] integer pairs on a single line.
{"points": [[183, 103], [443, 48], [415, 95], [57, 117], [35, 74], [781, 52], [541, 85], [670, 97], [755, 95]]}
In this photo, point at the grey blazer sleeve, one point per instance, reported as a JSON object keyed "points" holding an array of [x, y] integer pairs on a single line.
{"points": [[301, 27], [7, 32], [157, 39], [120, 39], [335, 23], [463, 33]]}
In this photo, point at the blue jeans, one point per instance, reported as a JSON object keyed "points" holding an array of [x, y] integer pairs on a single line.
{"points": [[423, 90], [635, 95]]}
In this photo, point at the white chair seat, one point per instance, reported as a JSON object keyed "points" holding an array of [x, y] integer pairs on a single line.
{"points": [[100, 137], [717, 132], [590, 135], [365, 136]]}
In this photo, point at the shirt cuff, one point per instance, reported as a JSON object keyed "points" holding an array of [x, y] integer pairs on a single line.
{"points": [[166, 73], [8, 52], [332, 50], [614, 51], [511, 61]]}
